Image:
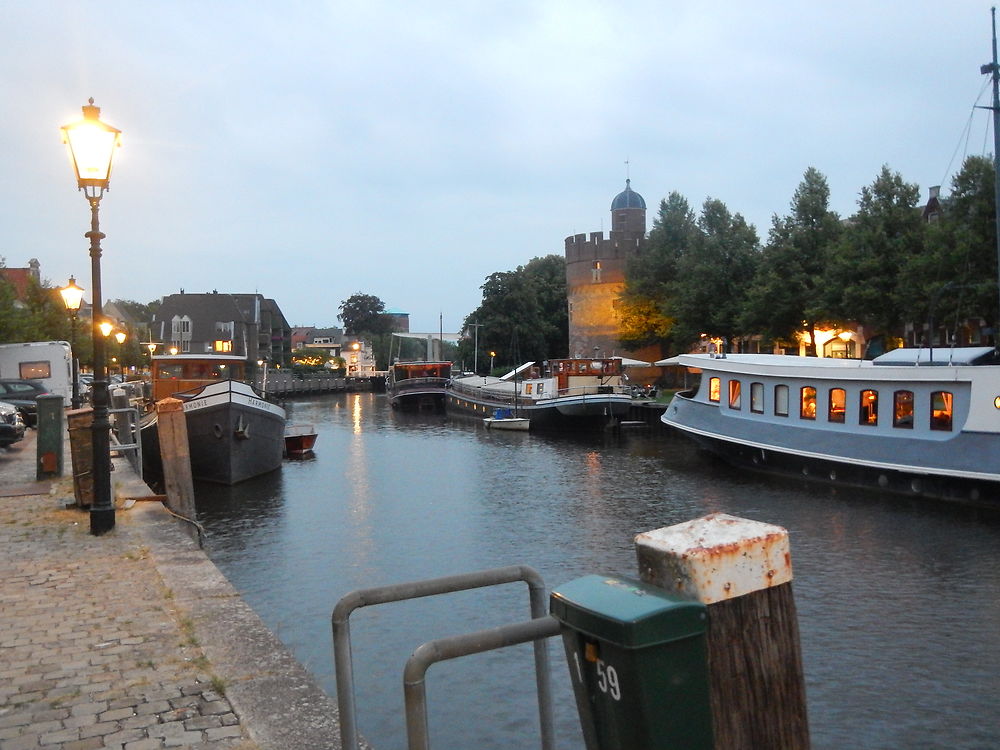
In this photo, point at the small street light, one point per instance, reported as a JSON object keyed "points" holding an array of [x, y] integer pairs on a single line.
{"points": [[72, 296], [120, 337], [492, 355], [92, 145]]}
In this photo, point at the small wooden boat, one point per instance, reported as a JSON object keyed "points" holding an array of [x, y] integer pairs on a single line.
{"points": [[299, 440], [502, 419]]}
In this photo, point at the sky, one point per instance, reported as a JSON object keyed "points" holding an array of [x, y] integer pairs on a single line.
{"points": [[311, 150]]}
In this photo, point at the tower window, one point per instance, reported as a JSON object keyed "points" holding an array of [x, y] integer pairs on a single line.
{"points": [[596, 272]]}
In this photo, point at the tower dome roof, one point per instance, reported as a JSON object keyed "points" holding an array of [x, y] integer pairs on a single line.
{"points": [[628, 198]]}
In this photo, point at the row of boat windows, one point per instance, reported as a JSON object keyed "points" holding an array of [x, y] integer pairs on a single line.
{"points": [[940, 413]]}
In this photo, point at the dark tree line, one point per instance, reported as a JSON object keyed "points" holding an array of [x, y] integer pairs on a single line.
{"points": [[881, 268], [522, 317]]}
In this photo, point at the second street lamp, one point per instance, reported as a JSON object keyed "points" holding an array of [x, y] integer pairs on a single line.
{"points": [[92, 145], [73, 297]]}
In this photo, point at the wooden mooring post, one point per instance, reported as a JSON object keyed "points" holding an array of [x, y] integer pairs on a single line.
{"points": [[742, 571], [176, 456]]}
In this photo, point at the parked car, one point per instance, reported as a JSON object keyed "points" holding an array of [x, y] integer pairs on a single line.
{"points": [[11, 425], [23, 395]]}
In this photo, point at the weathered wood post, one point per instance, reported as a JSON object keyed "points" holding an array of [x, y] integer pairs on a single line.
{"points": [[742, 571], [176, 456]]}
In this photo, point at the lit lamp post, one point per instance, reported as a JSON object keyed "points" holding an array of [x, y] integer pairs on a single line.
{"points": [[73, 297], [92, 146], [492, 355], [120, 337]]}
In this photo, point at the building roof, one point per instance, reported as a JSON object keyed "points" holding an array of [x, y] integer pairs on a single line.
{"points": [[628, 198]]}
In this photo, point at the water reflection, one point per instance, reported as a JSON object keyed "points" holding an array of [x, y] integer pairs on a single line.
{"points": [[897, 598]]}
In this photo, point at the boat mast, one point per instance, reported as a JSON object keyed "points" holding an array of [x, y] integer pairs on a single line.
{"points": [[994, 70]]}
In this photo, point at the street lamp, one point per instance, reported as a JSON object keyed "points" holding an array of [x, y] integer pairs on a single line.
{"points": [[492, 355], [120, 337], [72, 298], [92, 145]]}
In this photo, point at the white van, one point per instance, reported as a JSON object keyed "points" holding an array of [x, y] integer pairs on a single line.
{"points": [[49, 362]]}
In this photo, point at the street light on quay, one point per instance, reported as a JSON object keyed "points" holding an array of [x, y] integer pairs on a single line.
{"points": [[92, 145], [72, 296]]}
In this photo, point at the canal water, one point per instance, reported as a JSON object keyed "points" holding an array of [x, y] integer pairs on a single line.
{"points": [[898, 599]]}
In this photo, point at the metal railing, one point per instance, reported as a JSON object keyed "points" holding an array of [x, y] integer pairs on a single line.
{"points": [[537, 630], [126, 437]]}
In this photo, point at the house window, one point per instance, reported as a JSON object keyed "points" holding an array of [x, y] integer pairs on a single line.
{"points": [[757, 398], [838, 405], [186, 345], [714, 389], [734, 394], [902, 409], [869, 408], [781, 400], [941, 410], [807, 403], [223, 346]]}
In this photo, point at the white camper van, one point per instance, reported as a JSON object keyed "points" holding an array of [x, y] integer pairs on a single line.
{"points": [[49, 362]]}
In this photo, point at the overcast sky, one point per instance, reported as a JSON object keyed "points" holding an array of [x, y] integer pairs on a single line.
{"points": [[311, 150]]}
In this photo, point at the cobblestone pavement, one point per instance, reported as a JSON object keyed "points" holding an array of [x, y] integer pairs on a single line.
{"points": [[94, 650]]}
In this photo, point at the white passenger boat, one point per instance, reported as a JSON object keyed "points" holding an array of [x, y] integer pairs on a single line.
{"points": [[919, 421], [555, 393]]}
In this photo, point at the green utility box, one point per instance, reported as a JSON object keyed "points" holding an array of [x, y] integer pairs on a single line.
{"points": [[638, 663], [49, 444]]}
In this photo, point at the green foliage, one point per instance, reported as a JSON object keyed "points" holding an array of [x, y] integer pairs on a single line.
{"points": [[786, 293], [522, 316], [364, 315]]}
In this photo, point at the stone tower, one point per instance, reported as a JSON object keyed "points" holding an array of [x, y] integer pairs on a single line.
{"points": [[595, 276]]}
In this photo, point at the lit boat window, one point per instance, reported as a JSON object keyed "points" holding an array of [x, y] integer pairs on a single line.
{"points": [[869, 408], [838, 405], [713, 389], [781, 400], [941, 410], [807, 405], [902, 409], [757, 398], [734, 394]]}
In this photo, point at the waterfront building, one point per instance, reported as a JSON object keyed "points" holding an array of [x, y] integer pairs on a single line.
{"points": [[248, 325]]}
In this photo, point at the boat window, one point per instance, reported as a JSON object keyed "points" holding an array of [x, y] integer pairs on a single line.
{"points": [[781, 400], [869, 408], [541, 386], [902, 409], [838, 405], [713, 389], [941, 410], [757, 398], [734, 394], [807, 405], [527, 388]]}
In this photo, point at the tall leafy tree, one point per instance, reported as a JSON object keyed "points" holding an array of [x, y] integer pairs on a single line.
{"points": [[364, 314], [863, 274], [647, 304], [955, 277], [523, 314], [785, 295], [714, 275]]}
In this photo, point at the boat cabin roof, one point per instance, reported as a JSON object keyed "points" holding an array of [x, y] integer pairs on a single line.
{"points": [[162, 358], [959, 355]]}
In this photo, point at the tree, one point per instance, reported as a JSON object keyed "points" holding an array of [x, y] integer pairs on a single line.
{"points": [[364, 314], [647, 306], [864, 269], [956, 274], [785, 294], [714, 275], [523, 313]]}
